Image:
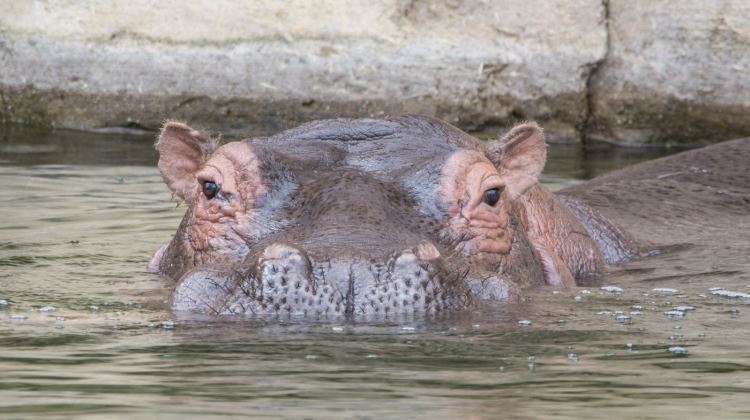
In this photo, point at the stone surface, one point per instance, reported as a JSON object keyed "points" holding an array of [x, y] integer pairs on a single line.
{"points": [[674, 72], [266, 65], [622, 71]]}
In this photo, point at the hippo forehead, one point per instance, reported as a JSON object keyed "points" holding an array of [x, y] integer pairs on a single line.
{"points": [[388, 149]]}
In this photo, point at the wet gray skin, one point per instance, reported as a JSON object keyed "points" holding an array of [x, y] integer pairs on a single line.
{"points": [[363, 217]]}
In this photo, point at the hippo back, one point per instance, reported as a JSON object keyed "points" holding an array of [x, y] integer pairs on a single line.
{"points": [[696, 202]]}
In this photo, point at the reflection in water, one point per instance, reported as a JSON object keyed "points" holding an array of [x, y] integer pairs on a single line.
{"points": [[82, 328]]}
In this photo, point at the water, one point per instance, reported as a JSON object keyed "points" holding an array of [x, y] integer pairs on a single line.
{"points": [[85, 333]]}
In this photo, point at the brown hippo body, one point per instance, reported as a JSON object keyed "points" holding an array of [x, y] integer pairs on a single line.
{"points": [[694, 206], [379, 217], [672, 199]]}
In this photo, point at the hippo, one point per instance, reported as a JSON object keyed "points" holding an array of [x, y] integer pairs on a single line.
{"points": [[375, 217]]}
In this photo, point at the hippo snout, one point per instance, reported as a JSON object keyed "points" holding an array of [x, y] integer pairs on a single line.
{"points": [[284, 280]]}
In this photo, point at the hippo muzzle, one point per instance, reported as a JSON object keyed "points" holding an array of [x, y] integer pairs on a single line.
{"points": [[284, 281]]}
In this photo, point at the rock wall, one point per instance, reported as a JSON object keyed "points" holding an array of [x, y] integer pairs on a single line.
{"points": [[674, 72], [583, 68]]}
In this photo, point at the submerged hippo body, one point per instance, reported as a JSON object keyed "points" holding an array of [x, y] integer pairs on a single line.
{"points": [[370, 216]]}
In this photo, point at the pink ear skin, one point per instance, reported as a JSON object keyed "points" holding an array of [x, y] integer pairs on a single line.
{"points": [[182, 151], [519, 157]]}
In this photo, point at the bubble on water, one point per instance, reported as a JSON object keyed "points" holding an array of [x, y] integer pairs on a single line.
{"points": [[604, 313], [629, 346], [60, 319], [683, 308], [674, 314], [475, 326], [3, 302], [664, 290], [612, 289], [524, 322], [701, 334], [18, 317], [622, 318], [636, 313], [408, 329], [372, 356], [531, 362], [311, 357], [678, 350], [573, 357], [713, 289], [637, 307], [578, 297], [94, 307], [730, 294], [168, 325], [561, 321], [47, 308], [337, 329], [556, 292], [585, 292]]}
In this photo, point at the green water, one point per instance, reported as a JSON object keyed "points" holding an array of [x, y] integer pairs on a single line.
{"points": [[82, 214]]}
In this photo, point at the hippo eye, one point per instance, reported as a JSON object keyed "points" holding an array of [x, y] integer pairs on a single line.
{"points": [[491, 196], [210, 189]]}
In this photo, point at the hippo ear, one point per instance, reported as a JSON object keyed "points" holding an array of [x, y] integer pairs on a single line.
{"points": [[182, 151], [519, 156]]}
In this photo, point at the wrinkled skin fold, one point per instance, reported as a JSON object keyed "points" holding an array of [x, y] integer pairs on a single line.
{"points": [[360, 217]]}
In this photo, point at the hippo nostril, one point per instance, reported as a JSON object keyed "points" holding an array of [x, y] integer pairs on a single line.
{"points": [[407, 258], [426, 251], [278, 251], [285, 258]]}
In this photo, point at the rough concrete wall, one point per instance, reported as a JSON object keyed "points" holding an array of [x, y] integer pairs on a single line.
{"points": [[628, 71], [674, 72], [255, 65]]}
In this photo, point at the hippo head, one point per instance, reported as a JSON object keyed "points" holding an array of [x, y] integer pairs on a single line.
{"points": [[349, 217]]}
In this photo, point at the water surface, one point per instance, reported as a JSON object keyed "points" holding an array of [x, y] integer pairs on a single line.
{"points": [[85, 332]]}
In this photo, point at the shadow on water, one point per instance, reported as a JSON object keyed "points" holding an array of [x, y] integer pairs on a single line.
{"points": [[84, 331], [39, 146]]}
